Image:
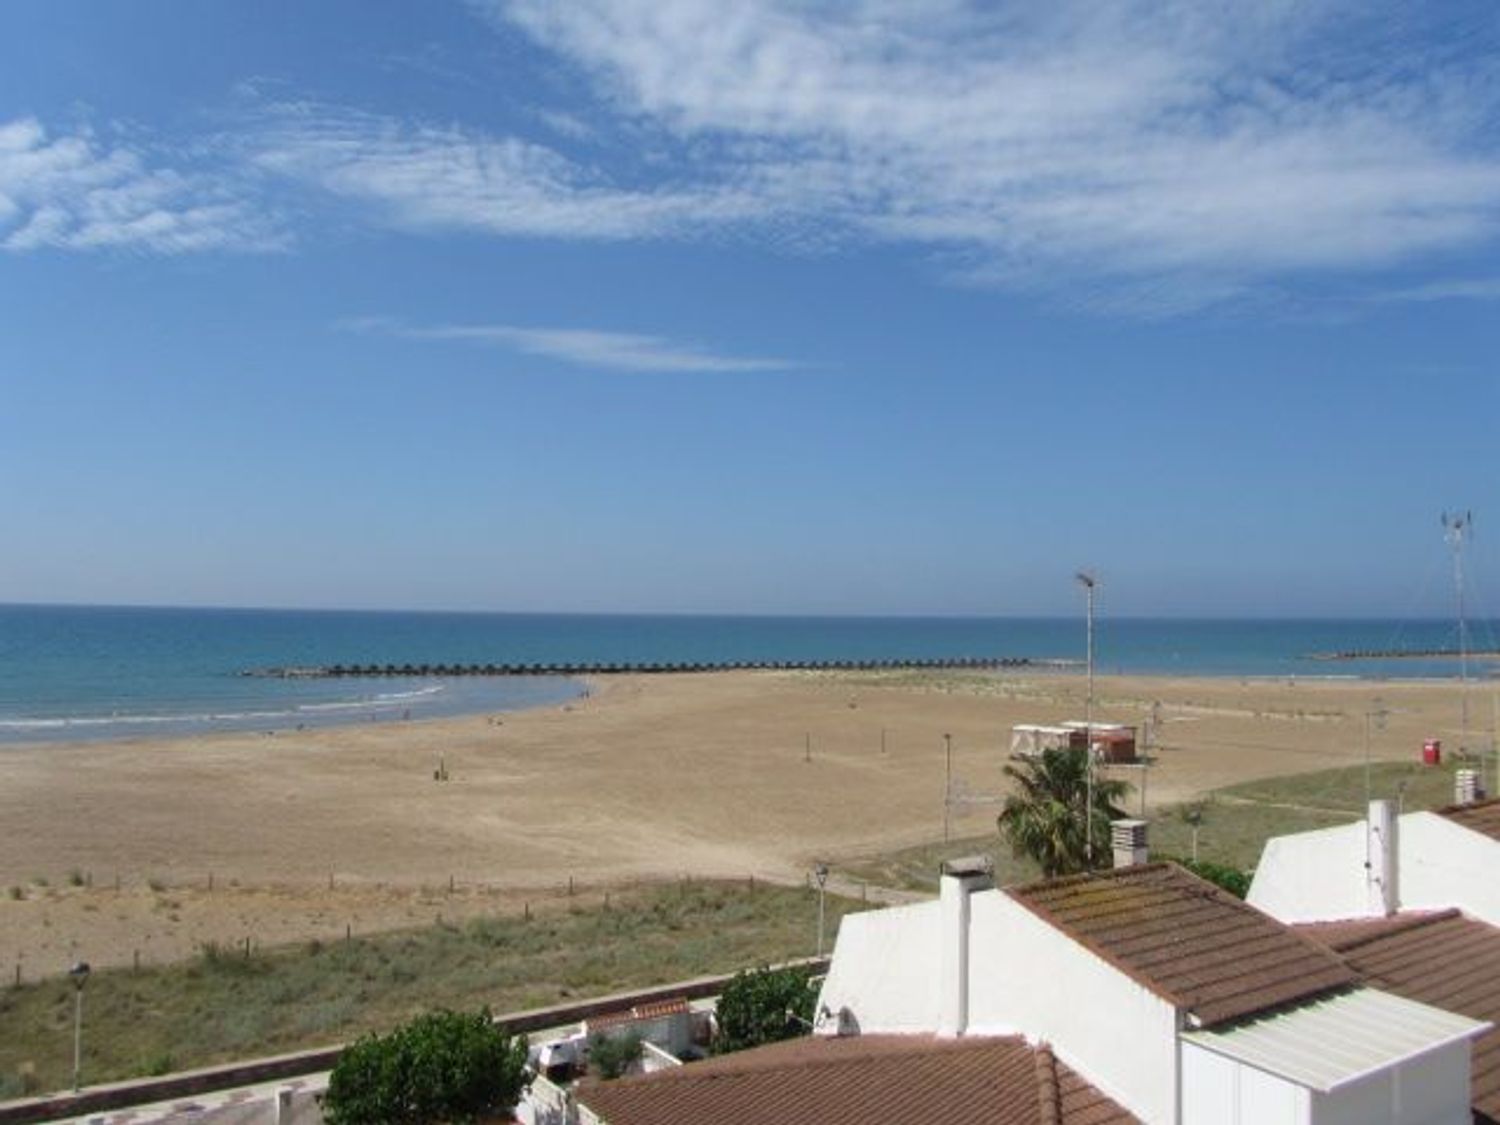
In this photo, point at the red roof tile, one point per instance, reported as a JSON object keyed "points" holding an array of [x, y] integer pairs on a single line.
{"points": [[992, 1080], [1442, 959], [656, 1009], [1186, 940], [1482, 816]]}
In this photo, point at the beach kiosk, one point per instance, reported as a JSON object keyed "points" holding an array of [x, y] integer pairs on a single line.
{"points": [[1031, 740], [1114, 743]]}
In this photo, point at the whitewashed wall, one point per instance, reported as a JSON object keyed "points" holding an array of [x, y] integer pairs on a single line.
{"points": [[1313, 876], [1026, 977], [885, 969], [1319, 876], [1430, 1090], [1222, 1091], [1445, 864]]}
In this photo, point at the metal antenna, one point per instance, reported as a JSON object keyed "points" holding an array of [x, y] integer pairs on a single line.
{"points": [[1088, 582], [1457, 527]]}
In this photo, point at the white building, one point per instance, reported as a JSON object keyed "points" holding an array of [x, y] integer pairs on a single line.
{"points": [[1174, 999], [1385, 863]]}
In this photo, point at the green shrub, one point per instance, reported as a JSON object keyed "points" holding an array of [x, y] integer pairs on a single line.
{"points": [[1231, 879], [610, 1058], [444, 1066], [764, 1006]]}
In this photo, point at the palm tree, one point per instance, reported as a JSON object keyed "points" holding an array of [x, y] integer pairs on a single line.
{"points": [[1044, 819]]}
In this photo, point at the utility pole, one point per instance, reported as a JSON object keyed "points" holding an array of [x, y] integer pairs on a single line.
{"points": [[1457, 527], [947, 783], [1087, 581]]}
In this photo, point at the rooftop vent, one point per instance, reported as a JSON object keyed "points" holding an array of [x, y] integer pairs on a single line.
{"points": [[969, 866], [1128, 838], [1467, 788]]}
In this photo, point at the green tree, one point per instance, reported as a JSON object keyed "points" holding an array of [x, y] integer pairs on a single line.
{"points": [[1044, 819], [763, 1006], [441, 1067], [612, 1056]]}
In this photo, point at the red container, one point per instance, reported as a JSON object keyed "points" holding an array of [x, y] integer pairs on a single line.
{"points": [[1432, 752]]}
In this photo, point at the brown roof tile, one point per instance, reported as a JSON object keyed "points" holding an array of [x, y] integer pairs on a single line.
{"points": [[1482, 816], [1442, 959], [1189, 942], [993, 1080]]}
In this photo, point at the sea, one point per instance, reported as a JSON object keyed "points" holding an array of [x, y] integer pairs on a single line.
{"points": [[71, 673]]}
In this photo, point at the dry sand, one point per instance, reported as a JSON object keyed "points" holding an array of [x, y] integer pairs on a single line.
{"points": [[649, 777]]}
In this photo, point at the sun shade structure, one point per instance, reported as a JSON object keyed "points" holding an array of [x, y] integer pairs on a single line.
{"points": [[1194, 945], [1330, 1043], [1439, 958]]}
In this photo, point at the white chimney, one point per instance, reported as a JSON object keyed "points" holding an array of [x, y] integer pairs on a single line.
{"points": [[960, 878], [1382, 849], [1128, 838]]}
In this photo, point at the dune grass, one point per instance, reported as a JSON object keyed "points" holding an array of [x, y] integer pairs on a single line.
{"points": [[224, 1005]]}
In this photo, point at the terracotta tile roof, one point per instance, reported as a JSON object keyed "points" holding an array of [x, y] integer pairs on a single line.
{"points": [[1186, 940], [991, 1080], [1347, 933], [1482, 816], [656, 1009], [1442, 959]]}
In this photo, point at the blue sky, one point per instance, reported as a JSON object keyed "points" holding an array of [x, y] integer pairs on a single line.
{"points": [[668, 305]]}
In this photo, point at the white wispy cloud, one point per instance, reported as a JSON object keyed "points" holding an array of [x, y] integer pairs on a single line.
{"points": [[1170, 154], [1146, 158], [71, 191], [429, 177], [1451, 289], [582, 347]]}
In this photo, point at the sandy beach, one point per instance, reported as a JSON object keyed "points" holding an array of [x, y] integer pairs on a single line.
{"points": [[648, 777]]}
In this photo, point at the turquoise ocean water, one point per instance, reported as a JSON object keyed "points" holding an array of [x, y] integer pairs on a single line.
{"points": [[69, 673]]}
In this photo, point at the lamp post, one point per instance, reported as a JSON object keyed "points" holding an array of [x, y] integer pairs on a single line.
{"points": [[79, 974], [1087, 581], [947, 783], [820, 873]]}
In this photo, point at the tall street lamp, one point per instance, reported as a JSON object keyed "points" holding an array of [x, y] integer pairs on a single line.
{"points": [[79, 974], [1088, 582]]}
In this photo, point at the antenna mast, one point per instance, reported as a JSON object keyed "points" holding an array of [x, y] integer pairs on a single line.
{"points": [[1457, 527]]}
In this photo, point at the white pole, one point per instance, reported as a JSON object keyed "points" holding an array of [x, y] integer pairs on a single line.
{"points": [[947, 783], [1463, 641], [1088, 725]]}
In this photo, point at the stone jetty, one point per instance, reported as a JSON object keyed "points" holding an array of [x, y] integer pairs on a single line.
{"points": [[1407, 654], [364, 671]]}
